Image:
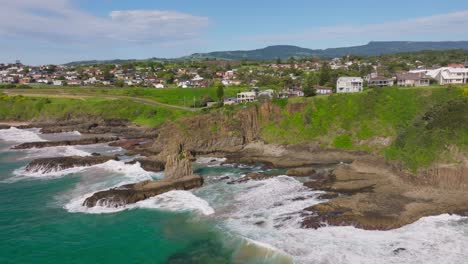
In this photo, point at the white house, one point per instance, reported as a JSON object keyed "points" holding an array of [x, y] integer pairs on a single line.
{"points": [[159, 85], [447, 75], [57, 82], [245, 97], [349, 85]]}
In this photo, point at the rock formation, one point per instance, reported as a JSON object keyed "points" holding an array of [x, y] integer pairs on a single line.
{"points": [[46, 165], [178, 176], [84, 141], [378, 196]]}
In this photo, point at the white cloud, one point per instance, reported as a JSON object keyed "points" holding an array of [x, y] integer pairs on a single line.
{"points": [[437, 27], [59, 20]]}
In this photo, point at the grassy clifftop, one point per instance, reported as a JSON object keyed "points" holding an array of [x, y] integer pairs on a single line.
{"points": [[21, 108], [412, 125]]}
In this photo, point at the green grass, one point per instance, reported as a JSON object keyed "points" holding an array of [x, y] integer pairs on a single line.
{"points": [[172, 96], [21, 108], [349, 121]]}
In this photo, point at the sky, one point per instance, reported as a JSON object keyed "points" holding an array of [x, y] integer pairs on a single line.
{"points": [[59, 31]]}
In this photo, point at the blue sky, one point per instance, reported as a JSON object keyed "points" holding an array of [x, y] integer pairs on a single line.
{"points": [[59, 31]]}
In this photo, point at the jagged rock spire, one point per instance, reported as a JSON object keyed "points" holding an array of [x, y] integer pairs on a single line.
{"points": [[178, 164]]}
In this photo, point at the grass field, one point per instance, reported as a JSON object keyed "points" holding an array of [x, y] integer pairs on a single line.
{"points": [[21, 108], [173, 96]]}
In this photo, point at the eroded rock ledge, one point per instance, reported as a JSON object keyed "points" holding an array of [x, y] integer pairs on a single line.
{"points": [[132, 193], [46, 165], [378, 196], [84, 141]]}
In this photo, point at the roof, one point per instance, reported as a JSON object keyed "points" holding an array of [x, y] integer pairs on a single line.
{"points": [[380, 78], [412, 76], [322, 87], [350, 79]]}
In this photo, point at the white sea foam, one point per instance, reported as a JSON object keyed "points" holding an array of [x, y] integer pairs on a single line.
{"points": [[133, 170], [266, 212], [16, 135], [47, 173], [210, 161], [50, 152], [176, 201]]}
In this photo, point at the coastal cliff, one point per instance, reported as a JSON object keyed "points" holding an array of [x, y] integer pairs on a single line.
{"points": [[399, 154]]}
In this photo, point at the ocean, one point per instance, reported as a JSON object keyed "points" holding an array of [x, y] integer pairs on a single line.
{"points": [[42, 220]]}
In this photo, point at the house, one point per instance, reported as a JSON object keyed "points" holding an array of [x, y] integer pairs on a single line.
{"points": [[323, 89], [159, 85], [445, 76], [413, 79], [266, 93], [349, 85], [74, 82], [291, 92], [184, 84], [57, 82], [381, 81], [245, 97]]}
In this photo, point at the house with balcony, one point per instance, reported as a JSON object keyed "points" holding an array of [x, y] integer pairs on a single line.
{"points": [[413, 79], [381, 81], [246, 97], [349, 85], [447, 76]]}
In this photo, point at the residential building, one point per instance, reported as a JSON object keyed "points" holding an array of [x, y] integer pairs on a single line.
{"points": [[381, 82], [320, 90], [291, 92], [413, 79], [57, 82], [245, 97], [349, 85], [446, 76]]}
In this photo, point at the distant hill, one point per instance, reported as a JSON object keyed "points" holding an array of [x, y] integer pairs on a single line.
{"points": [[373, 48]]}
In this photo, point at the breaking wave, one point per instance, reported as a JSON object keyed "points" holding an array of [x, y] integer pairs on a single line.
{"points": [[16, 135], [175, 201]]}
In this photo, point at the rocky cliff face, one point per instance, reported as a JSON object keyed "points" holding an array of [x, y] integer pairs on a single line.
{"points": [[178, 164], [218, 132]]}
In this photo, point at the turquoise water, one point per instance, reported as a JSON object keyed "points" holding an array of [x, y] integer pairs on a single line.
{"points": [[35, 228]]}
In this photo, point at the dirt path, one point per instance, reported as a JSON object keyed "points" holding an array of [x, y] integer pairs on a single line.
{"points": [[110, 97]]}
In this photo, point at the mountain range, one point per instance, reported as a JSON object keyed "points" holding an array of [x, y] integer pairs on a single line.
{"points": [[373, 48]]}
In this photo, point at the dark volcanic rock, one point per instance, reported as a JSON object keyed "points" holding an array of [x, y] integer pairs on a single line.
{"points": [[84, 141], [46, 165], [5, 127], [132, 193], [149, 165], [301, 172], [254, 177]]}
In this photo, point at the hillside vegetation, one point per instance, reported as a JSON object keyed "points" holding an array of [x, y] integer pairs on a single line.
{"points": [[412, 125]]}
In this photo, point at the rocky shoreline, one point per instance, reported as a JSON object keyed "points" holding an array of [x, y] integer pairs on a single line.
{"points": [[361, 190]]}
